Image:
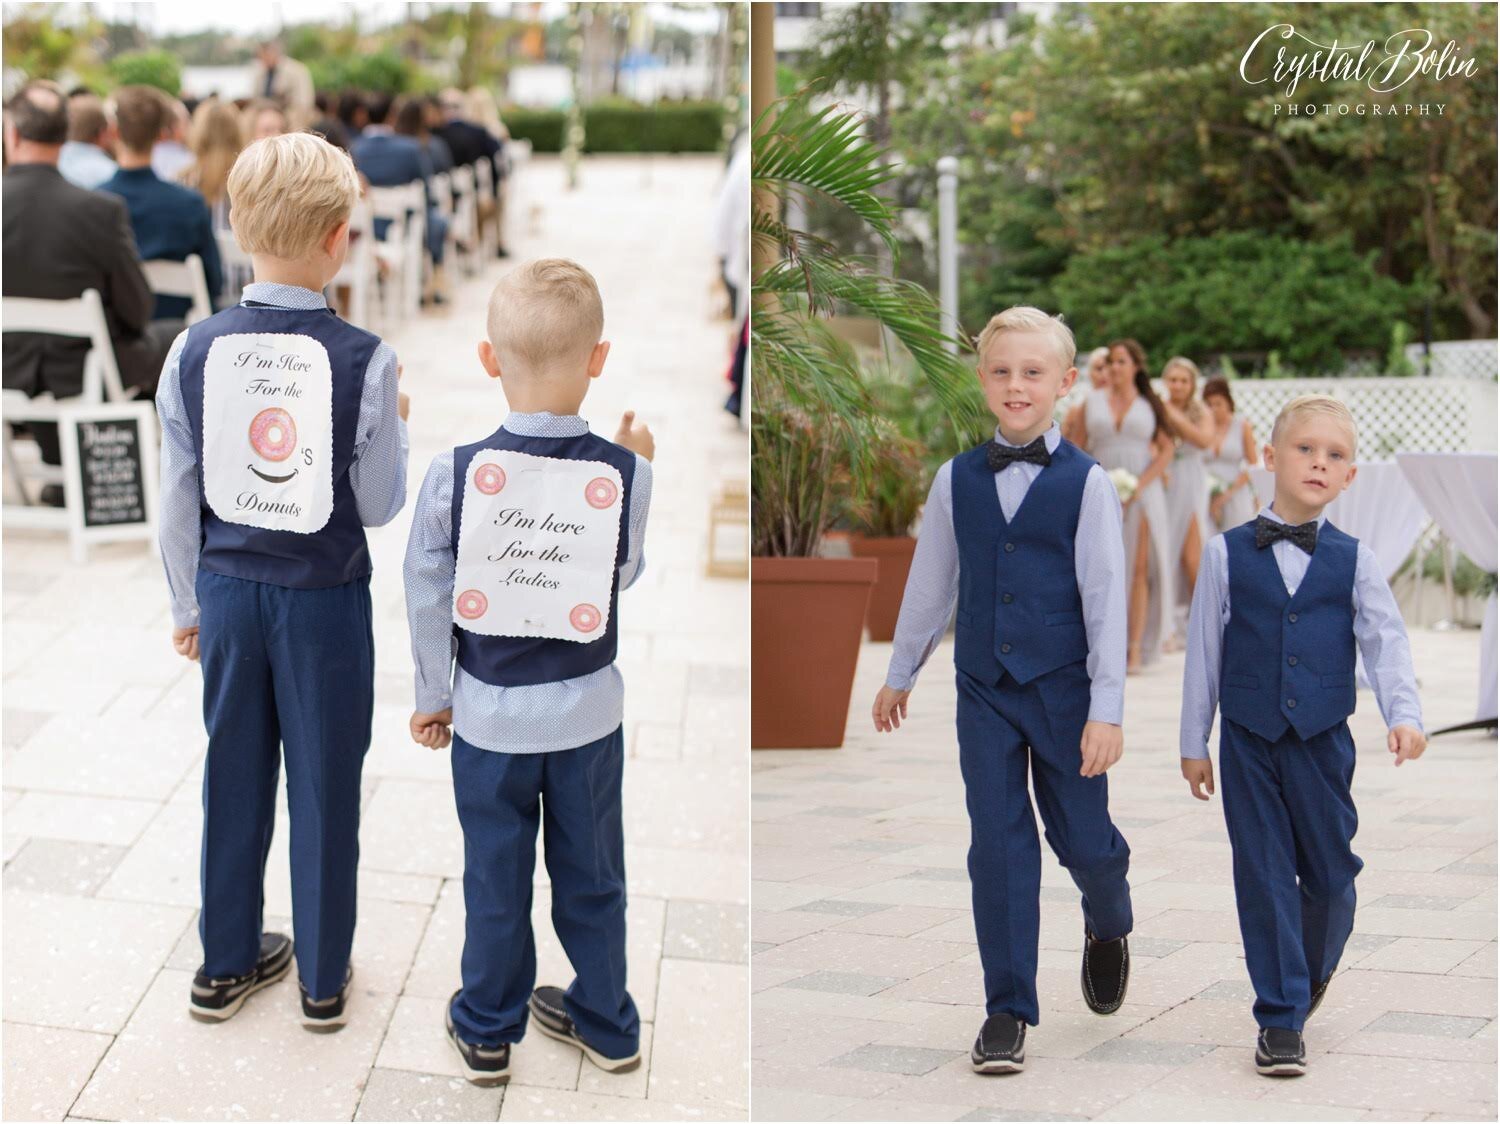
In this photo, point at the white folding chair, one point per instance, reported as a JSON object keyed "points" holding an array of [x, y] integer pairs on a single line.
{"points": [[181, 279], [466, 216], [401, 248], [80, 318], [442, 199], [358, 272], [239, 271]]}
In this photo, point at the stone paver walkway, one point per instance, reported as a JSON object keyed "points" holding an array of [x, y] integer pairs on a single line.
{"points": [[104, 743], [867, 981]]}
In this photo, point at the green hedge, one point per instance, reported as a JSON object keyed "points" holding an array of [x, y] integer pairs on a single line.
{"points": [[626, 127]]}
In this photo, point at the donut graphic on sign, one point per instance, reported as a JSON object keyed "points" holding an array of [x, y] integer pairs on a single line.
{"points": [[585, 618], [489, 479], [471, 604], [601, 492]]}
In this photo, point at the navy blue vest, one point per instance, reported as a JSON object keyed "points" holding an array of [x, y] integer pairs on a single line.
{"points": [[519, 661], [337, 553], [1289, 661], [1018, 605]]}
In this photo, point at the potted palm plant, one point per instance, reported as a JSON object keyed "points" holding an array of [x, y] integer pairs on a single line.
{"points": [[814, 430]]}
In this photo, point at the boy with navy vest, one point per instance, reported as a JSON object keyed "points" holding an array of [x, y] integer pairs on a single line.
{"points": [[519, 548], [1280, 605], [283, 437], [1024, 534]]}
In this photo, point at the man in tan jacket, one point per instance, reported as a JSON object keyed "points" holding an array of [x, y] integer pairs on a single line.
{"points": [[284, 80]]}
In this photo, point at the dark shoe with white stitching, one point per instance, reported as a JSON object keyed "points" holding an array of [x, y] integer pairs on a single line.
{"points": [[1279, 1053], [322, 1016], [214, 1000], [553, 1020], [1105, 974], [482, 1065], [1001, 1045], [1319, 990]]}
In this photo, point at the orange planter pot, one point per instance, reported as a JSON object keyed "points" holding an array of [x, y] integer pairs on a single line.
{"points": [[806, 620], [894, 555]]}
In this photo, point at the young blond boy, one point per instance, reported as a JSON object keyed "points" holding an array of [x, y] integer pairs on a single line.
{"points": [[283, 437], [1280, 605], [1024, 534], [530, 519]]}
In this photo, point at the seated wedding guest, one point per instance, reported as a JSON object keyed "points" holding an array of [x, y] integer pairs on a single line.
{"points": [[215, 141], [411, 121], [353, 114], [264, 119], [170, 221], [327, 124], [85, 159], [470, 142], [388, 160], [171, 154], [60, 240]]}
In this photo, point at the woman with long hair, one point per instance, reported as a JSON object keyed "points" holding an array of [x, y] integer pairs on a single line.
{"points": [[1232, 453], [215, 139], [1097, 374], [1126, 427], [1191, 428]]}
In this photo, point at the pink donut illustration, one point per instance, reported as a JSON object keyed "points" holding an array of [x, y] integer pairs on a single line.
{"points": [[585, 618], [472, 604], [489, 478], [273, 434], [601, 492]]}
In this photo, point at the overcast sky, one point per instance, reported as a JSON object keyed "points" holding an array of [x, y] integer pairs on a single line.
{"points": [[170, 17]]}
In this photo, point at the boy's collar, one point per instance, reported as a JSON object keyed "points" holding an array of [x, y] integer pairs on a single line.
{"points": [[1269, 514], [544, 424], [1052, 438], [287, 296]]}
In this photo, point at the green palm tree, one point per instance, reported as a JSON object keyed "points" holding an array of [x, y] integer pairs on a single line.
{"points": [[814, 430]]}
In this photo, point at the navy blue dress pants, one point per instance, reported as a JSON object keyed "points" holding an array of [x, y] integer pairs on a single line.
{"points": [[1291, 821], [292, 668], [1002, 731], [574, 794]]}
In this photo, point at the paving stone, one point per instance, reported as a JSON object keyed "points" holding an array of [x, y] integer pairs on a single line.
{"points": [[842, 908], [845, 983], [46, 1068], [840, 810], [393, 1094], [938, 874], [1411, 1022], [84, 819], [997, 1114], [19, 725], [893, 1059], [875, 846], [701, 1045], [1143, 1051], [1413, 901], [705, 931], [60, 866], [1154, 946], [1229, 989]]}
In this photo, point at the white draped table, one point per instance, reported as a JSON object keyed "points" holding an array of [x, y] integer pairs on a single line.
{"points": [[1459, 491]]}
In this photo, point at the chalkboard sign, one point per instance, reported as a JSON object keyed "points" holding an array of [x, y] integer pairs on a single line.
{"points": [[110, 454], [111, 475]]}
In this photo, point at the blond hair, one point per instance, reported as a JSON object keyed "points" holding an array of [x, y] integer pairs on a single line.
{"points": [[286, 193], [215, 140], [1321, 405], [544, 313], [1025, 318]]}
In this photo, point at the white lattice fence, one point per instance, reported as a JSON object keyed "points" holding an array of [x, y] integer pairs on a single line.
{"points": [[1413, 415], [1459, 359]]}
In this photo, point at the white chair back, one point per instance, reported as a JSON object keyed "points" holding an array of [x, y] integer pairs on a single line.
{"points": [[239, 271], [442, 193], [81, 317], [181, 279], [396, 203]]}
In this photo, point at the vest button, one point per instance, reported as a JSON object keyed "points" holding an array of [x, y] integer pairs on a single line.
{"points": [[1006, 598], [1291, 661], [1004, 647], [1291, 704], [1010, 548], [1292, 617]]}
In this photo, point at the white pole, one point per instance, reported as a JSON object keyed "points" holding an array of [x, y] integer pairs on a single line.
{"points": [[947, 168]]}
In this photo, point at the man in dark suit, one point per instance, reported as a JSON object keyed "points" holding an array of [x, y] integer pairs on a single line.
{"points": [[169, 221], [58, 241], [389, 160], [470, 142]]}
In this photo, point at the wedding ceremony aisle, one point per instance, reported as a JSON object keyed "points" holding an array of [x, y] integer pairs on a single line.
{"points": [[867, 981], [104, 745]]}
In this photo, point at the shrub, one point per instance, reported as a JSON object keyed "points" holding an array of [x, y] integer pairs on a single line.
{"points": [[625, 127], [147, 68]]}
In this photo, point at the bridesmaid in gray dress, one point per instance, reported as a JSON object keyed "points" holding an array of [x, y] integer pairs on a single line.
{"points": [[1192, 430], [1231, 455], [1126, 428]]}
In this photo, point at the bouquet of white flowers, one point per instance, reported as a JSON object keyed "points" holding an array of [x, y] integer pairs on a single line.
{"points": [[1125, 482], [1215, 485]]}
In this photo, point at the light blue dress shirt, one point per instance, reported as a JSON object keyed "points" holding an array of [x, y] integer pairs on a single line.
{"points": [[538, 718], [1098, 557], [86, 165], [1378, 630], [377, 476]]}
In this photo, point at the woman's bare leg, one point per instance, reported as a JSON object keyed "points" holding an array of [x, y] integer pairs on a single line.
{"points": [[1140, 597]]}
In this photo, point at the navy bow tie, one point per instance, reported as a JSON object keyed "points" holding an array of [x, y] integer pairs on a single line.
{"points": [[1267, 531], [999, 456]]}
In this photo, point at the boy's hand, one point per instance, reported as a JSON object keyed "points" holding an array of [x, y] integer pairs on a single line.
{"points": [[636, 438], [1103, 744], [1406, 743], [185, 641], [1199, 771], [432, 730], [403, 400], [889, 709]]}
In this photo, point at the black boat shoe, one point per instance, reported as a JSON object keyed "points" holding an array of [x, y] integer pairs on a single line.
{"points": [[1001, 1045], [326, 1015], [1318, 991], [1279, 1053], [482, 1065], [552, 1019], [214, 1000], [1105, 974]]}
